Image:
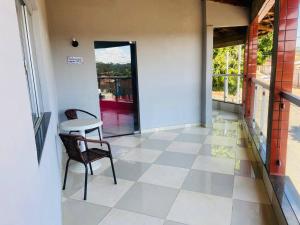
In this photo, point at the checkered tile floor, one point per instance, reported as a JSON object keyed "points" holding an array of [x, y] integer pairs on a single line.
{"points": [[190, 176]]}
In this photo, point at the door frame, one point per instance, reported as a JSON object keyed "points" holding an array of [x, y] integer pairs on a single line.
{"points": [[134, 79]]}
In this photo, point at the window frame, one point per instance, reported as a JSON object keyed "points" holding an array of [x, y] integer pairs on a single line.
{"points": [[30, 63]]}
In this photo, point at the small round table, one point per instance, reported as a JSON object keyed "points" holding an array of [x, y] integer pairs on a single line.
{"points": [[81, 125]]}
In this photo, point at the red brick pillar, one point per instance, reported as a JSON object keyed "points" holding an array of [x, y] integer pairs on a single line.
{"points": [[250, 68], [285, 30]]}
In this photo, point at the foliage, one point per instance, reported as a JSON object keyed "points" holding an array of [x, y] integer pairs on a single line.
{"points": [[114, 69], [219, 61], [265, 46]]}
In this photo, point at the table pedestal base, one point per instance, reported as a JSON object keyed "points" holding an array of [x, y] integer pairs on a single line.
{"points": [[76, 167]]}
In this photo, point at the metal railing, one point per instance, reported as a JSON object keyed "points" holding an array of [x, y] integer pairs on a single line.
{"points": [[291, 98], [226, 91], [115, 87]]}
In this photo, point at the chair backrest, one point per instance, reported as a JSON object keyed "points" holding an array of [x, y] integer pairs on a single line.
{"points": [[71, 114], [71, 143]]}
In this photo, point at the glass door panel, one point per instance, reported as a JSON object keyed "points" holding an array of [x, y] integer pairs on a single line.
{"points": [[115, 85]]}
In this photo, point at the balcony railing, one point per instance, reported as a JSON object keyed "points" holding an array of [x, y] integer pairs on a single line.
{"points": [[293, 145], [227, 88], [259, 120], [260, 109], [287, 187]]}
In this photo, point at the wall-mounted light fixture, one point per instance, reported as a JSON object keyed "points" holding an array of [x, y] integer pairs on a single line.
{"points": [[75, 43]]}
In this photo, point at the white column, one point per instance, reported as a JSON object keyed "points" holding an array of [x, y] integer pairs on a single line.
{"points": [[239, 72], [226, 77], [206, 79]]}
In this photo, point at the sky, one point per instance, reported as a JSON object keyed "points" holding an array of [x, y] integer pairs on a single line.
{"points": [[119, 55]]}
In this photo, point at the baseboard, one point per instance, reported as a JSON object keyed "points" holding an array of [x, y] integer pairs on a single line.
{"points": [[144, 131]]}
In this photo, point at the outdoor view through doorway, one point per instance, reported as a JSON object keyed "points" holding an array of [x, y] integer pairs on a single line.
{"points": [[117, 86]]}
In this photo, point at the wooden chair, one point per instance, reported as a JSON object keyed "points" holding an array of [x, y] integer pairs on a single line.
{"points": [[72, 114], [71, 143]]}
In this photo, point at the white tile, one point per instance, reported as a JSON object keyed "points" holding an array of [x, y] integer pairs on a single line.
{"points": [[184, 147], [248, 189], [196, 130], [163, 135], [63, 199], [122, 217], [142, 155], [196, 208], [226, 141], [242, 154], [127, 141], [103, 191], [213, 164], [167, 176], [119, 151], [226, 125], [172, 223]]}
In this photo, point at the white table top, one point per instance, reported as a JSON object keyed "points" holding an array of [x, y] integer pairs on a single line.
{"points": [[80, 124]]}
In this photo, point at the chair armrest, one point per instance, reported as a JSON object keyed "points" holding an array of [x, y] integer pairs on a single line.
{"points": [[96, 141], [83, 111]]}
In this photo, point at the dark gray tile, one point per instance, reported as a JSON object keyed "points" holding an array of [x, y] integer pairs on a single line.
{"points": [[206, 149], [229, 116], [128, 170], [209, 183], [80, 212], [247, 168], [148, 199], [191, 138], [248, 213], [154, 144], [242, 142], [176, 159], [243, 168]]}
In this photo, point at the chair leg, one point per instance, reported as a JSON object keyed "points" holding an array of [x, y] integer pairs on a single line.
{"points": [[100, 136], [92, 173], [85, 181], [113, 169], [66, 174]]}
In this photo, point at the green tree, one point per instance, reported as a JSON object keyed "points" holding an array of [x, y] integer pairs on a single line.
{"points": [[265, 47], [114, 69], [219, 62]]}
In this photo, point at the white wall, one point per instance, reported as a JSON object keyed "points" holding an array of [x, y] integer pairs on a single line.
{"points": [[168, 36], [30, 192], [226, 15]]}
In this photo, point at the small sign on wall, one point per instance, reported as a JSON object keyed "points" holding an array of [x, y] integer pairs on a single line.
{"points": [[74, 60]]}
